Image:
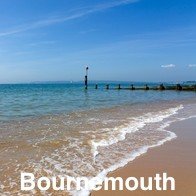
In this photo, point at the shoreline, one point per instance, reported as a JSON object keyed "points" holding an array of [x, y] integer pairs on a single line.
{"points": [[175, 158], [50, 161]]}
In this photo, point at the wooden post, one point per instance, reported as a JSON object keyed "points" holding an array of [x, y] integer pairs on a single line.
{"points": [[132, 87], [86, 78], [178, 87], [161, 87], [146, 87]]}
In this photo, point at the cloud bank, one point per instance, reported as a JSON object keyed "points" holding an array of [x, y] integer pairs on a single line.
{"points": [[168, 66], [192, 65]]}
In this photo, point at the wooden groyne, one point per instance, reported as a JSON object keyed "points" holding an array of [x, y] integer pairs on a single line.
{"points": [[161, 87]]}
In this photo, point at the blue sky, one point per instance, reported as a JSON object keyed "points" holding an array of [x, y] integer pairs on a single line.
{"points": [[131, 40]]}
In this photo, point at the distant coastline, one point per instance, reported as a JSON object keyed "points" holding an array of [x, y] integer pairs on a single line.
{"points": [[105, 82]]}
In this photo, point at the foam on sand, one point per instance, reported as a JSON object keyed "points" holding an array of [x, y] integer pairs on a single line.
{"points": [[140, 122]]}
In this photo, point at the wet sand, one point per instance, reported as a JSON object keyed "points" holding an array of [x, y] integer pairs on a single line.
{"points": [[176, 157]]}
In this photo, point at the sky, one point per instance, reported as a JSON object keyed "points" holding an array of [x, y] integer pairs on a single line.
{"points": [[126, 40]]}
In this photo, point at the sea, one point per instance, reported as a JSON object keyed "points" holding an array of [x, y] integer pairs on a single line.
{"points": [[61, 129]]}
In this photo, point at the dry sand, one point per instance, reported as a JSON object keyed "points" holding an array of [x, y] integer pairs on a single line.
{"points": [[177, 158]]}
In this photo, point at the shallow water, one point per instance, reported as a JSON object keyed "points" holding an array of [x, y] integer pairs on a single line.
{"points": [[21, 101]]}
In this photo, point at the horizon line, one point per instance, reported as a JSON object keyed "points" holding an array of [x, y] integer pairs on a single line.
{"points": [[94, 82]]}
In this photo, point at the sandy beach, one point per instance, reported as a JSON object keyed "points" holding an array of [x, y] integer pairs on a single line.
{"points": [[175, 157]]}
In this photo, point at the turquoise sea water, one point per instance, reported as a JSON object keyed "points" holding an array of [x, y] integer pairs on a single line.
{"points": [[27, 100]]}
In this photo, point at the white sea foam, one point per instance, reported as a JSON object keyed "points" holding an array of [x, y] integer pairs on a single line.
{"points": [[148, 118], [131, 157], [135, 124]]}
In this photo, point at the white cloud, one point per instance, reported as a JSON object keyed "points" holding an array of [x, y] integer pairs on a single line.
{"points": [[168, 66], [84, 11], [192, 65]]}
